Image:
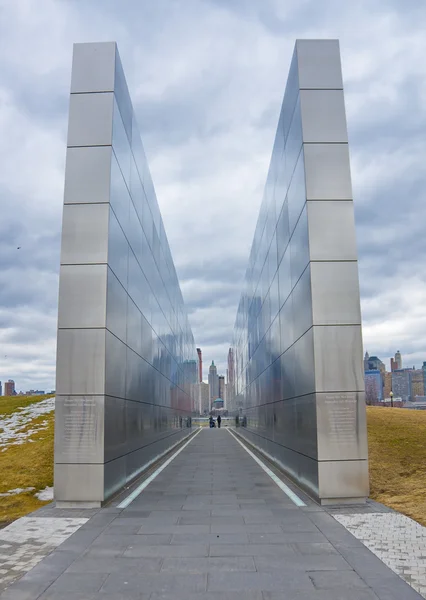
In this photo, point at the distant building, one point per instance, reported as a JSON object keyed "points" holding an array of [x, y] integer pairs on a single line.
{"points": [[190, 369], [372, 363], [200, 364], [1, 389], [213, 383], [35, 393], [387, 387], [231, 368], [418, 404], [218, 404], [373, 386], [9, 388], [222, 387], [398, 359], [204, 398], [424, 376], [401, 384], [394, 366], [366, 358], [228, 395], [417, 384]]}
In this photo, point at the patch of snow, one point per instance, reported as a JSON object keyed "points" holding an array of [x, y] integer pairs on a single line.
{"points": [[11, 426], [46, 494], [17, 491]]}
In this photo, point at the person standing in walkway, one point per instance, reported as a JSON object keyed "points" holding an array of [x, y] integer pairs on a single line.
{"points": [[219, 420]]}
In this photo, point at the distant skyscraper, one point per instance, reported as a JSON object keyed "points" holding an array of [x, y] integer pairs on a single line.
{"points": [[200, 364], [373, 386], [230, 386], [366, 357], [204, 398], [417, 384], [424, 376], [190, 369], [222, 387], [9, 388], [398, 359], [394, 366], [213, 383], [231, 367], [401, 384], [1, 389], [388, 385], [373, 362], [228, 395]]}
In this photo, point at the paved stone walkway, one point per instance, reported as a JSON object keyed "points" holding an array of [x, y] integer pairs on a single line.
{"points": [[397, 540], [212, 526], [26, 541]]}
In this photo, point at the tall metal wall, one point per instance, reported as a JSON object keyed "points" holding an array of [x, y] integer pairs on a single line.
{"points": [[123, 335], [297, 339]]}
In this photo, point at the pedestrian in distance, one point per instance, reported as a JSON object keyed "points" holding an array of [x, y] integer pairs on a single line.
{"points": [[211, 422], [219, 420]]}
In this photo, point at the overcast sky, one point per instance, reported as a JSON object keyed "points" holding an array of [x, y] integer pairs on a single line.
{"points": [[207, 79]]}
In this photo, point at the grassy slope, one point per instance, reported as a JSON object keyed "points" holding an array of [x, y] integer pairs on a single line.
{"points": [[10, 404], [28, 465], [397, 449]]}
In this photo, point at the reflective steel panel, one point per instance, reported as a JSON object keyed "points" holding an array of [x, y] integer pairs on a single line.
{"points": [[87, 175], [90, 119], [85, 234], [93, 68], [82, 296], [305, 408]]}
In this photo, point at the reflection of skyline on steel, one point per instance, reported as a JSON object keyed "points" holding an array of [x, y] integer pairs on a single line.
{"points": [[123, 387], [297, 339]]}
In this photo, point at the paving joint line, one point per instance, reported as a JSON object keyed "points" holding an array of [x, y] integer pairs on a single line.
{"points": [[283, 487]]}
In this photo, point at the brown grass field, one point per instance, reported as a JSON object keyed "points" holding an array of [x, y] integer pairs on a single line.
{"points": [[28, 465], [397, 452]]}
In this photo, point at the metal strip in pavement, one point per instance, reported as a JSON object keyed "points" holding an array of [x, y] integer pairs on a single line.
{"points": [[293, 497], [136, 492]]}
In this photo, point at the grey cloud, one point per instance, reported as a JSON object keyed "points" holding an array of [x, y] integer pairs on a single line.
{"points": [[207, 79]]}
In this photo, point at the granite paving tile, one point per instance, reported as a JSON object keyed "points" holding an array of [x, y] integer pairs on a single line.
{"points": [[285, 537], [246, 528], [116, 565], [210, 538], [132, 595], [309, 548], [259, 581], [189, 550], [158, 582], [248, 595], [336, 579], [148, 528], [83, 582], [306, 563], [252, 550], [348, 594], [208, 565]]}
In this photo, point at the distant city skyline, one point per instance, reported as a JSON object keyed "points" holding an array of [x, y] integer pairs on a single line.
{"points": [[402, 359], [403, 382]]}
